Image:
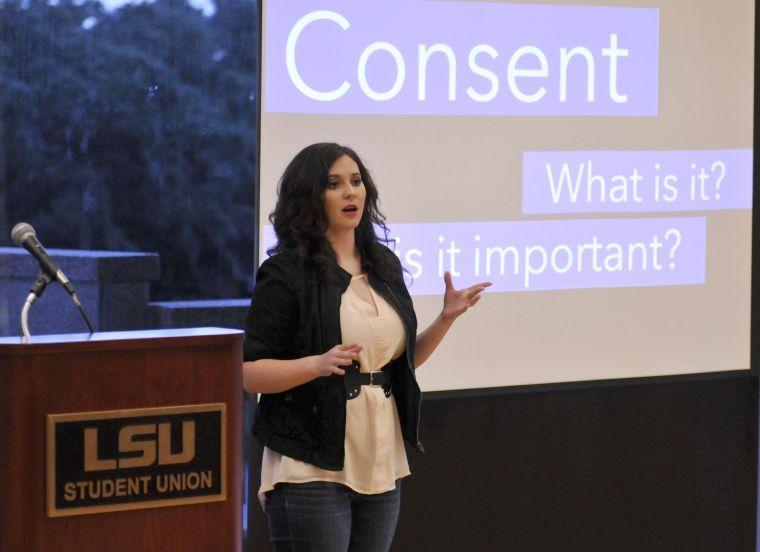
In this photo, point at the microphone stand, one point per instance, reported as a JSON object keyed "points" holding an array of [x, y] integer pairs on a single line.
{"points": [[36, 291]]}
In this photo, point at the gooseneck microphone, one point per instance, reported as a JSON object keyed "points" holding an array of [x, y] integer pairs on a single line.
{"points": [[23, 235]]}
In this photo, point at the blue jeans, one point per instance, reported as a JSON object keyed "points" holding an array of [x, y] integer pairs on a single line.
{"points": [[330, 517]]}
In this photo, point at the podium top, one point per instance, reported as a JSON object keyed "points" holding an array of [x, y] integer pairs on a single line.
{"points": [[120, 340]]}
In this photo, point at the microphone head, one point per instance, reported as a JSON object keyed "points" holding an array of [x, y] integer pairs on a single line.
{"points": [[21, 232]]}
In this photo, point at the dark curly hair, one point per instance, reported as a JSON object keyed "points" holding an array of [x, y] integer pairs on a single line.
{"points": [[300, 220]]}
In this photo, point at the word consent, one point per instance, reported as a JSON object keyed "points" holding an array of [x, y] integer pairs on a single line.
{"points": [[518, 68], [479, 59], [636, 181]]}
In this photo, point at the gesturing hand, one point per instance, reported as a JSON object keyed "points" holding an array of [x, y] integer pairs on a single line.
{"points": [[341, 355], [455, 302]]}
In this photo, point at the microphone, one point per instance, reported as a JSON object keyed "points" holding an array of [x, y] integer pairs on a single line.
{"points": [[23, 235]]}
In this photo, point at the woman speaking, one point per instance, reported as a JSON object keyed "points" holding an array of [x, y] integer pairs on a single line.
{"points": [[332, 345]]}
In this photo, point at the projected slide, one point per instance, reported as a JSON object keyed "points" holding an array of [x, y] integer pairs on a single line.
{"points": [[594, 162]]}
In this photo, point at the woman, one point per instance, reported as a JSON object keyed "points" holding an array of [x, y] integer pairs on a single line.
{"points": [[331, 345]]}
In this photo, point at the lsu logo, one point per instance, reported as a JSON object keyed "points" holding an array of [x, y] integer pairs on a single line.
{"points": [[138, 458], [151, 441]]}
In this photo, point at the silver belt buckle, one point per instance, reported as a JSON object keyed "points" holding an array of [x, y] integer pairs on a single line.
{"points": [[372, 378]]}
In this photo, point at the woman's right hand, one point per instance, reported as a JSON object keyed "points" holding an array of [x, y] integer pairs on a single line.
{"points": [[330, 362]]}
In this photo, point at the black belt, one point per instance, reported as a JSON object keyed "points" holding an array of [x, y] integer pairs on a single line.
{"points": [[354, 379]]}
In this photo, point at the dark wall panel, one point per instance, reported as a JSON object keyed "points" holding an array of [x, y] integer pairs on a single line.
{"points": [[663, 465]]}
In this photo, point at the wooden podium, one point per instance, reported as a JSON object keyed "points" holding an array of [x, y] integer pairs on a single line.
{"points": [[124, 441]]}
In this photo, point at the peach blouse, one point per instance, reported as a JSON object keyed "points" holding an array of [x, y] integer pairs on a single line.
{"points": [[374, 449]]}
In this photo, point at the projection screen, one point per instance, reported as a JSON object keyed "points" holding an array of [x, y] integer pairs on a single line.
{"points": [[593, 161]]}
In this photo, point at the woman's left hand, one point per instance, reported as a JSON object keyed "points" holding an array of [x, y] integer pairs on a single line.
{"points": [[457, 301]]}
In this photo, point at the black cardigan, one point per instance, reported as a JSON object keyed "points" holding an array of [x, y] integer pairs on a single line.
{"points": [[295, 313]]}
